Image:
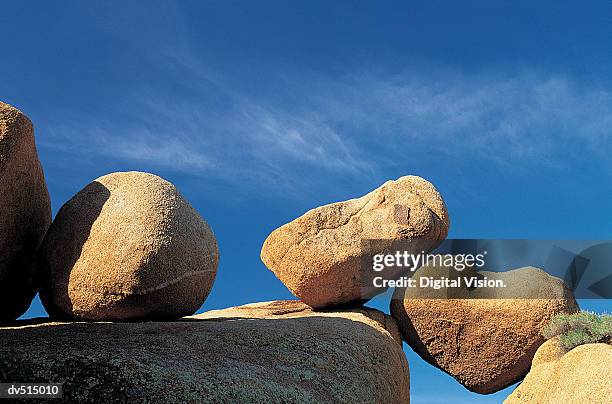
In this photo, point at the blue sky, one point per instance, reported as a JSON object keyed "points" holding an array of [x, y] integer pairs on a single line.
{"points": [[259, 111]]}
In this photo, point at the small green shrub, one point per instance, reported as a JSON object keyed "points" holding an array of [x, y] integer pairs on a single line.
{"points": [[580, 328]]}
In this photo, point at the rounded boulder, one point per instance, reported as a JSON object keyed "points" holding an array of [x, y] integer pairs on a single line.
{"points": [[581, 375], [128, 246]]}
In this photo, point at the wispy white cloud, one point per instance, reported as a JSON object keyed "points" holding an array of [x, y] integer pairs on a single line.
{"points": [[273, 134], [155, 148], [138, 144], [522, 118], [353, 125]]}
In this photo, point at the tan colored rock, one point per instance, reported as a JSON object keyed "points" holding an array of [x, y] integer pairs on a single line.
{"points": [[319, 256], [25, 212], [581, 375], [128, 246], [485, 340], [268, 352], [295, 308], [549, 351]]}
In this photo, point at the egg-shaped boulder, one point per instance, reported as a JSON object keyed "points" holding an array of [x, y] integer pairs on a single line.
{"points": [[127, 247]]}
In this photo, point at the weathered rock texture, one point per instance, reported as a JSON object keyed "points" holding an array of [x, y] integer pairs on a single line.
{"points": [[320, 255], [254, 354], [128, 246], [296, 308], [581, 375], [25, 211], [486, 344]]}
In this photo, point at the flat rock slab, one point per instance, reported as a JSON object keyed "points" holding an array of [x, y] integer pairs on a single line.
{"points": [[267, 352]]}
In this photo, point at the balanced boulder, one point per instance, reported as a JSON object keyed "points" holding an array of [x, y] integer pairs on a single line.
{"points": [[581, 375], [277, 352], [25, 212], [484, 337], [320, 256], [128, 246]]}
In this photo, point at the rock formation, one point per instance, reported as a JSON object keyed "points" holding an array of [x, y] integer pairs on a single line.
{"points": [[319, 256], [296, 308], [268, 352], [128, 246], [25, 212], [581, 375], [485, 343]]}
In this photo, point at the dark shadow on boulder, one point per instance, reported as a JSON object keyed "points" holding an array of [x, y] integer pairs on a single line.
{"points": [[92, 197]]}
